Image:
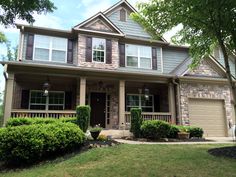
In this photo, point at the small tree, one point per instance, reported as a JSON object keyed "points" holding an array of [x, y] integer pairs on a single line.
{"points": [[136, 121], [83, 117]]}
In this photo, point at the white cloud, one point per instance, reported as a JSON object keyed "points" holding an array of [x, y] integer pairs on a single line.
{"points": [[48, 21], [91, 7]]}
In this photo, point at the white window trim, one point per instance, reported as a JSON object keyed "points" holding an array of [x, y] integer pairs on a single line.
{"points": [[162, 66], [140, 101], [99, 50], [47, 100], [137, 56], [50, 49]]}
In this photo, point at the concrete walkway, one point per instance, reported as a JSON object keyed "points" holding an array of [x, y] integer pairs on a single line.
{"points": [[212, 140]]}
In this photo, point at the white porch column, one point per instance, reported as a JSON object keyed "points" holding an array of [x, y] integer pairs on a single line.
{"points": [[121, 103], [82, 98], [171, 98], [8, 97]]}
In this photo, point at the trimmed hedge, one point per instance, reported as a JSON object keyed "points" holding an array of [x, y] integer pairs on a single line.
{"points": [[173, 133], [155, 129], [136, 121], [27, 144], [83, 117], [29, 121], [195, 132]]}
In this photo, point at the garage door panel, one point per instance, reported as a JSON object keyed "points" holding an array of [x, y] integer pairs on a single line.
{"points": [[209, 115]]}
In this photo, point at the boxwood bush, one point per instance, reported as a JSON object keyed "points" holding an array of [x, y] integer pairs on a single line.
{"points": [[136, 121], [195, 132], [173, 132], [83, 117], [27, 144], [155, 129], [29, 121]]}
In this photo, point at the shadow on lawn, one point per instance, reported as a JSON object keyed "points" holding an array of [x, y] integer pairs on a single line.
{"points": [[59, 156], [229, 152]]}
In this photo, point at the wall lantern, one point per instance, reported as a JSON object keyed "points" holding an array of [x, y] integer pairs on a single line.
{"points": [[146, 93], [46, 87]]}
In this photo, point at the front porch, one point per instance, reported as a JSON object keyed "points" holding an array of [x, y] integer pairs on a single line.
{"points": [[110, 99]]}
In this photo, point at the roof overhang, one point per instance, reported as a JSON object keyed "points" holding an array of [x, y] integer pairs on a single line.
{"points": [[44, 30], [76, 71]]}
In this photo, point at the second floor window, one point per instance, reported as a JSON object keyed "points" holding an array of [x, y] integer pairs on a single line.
{"points": [[99, 53], [138, 56], [47, 48]]}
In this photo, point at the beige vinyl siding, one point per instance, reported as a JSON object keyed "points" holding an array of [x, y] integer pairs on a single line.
{"points": [[208, 114]]}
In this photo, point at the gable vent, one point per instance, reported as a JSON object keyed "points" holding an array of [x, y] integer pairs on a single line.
{"points": [[123, 15]]}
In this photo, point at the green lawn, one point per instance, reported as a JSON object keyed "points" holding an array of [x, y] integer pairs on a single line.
{"points": [[136, 160]]}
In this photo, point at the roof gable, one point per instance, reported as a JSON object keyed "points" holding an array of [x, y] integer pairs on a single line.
{"points": [[207, 68], [99, 23], [129, 27]]}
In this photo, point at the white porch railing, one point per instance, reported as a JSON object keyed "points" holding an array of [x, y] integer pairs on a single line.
{"points": [[165, 116], [42, 113]]}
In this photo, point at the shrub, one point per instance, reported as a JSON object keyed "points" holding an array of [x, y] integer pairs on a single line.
{"points": [[29, 121], [195, 132], [173, 133], [102, 138], [136, 121], [27, 144], [83, 117], [155, 129]]}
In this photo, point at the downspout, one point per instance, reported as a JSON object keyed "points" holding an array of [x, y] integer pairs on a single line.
{"points": [[176, 82]]}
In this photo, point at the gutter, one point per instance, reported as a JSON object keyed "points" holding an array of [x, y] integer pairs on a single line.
{"points": [[5, 71]]}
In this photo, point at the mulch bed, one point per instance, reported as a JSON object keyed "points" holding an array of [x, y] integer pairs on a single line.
{"points": [[98, 144], [229, 152], [167, 139]]}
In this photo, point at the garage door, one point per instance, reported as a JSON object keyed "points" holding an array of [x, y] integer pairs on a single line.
{"points": [[209, 115]]}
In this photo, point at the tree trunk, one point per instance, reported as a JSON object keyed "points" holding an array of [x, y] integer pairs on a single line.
{"points": [[228, 74]]}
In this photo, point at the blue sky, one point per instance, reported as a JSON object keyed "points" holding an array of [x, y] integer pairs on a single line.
{"points": [[68, 14]]}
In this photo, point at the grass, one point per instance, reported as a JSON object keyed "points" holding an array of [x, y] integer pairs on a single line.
{"points": [[136, 160]]}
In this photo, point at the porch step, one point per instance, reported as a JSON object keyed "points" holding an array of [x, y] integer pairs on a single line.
{"points": [[116, 133]]}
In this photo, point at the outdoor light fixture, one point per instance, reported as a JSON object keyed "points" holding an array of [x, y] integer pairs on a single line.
{"points": [[146, 93], [46, 87]]}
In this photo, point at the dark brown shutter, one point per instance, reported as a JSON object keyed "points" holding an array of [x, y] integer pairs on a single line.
{"points": [[29, 47], [68, 100], [154, 58], [70, 51], [122, 54], [88, 49], [25, 99], [108, 51]]}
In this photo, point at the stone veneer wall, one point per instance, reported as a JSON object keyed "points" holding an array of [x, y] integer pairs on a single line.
{"points": [[204, 69], [82, 50], [207, 91]]}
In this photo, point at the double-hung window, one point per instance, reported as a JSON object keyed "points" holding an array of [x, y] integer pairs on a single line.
{"points": [[48, 48], [99, 50], [54, 101], [138, 56], [139, 101]]}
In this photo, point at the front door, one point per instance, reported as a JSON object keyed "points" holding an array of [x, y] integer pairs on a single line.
{"points": [[98, 108]]}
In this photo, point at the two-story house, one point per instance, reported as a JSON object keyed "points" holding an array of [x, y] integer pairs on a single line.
{"points": [[110, 63]]}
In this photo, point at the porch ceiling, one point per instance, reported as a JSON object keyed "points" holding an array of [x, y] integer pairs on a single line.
{"points": [[75, 71]]}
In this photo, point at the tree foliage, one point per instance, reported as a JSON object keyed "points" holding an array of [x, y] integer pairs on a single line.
{"points": [[22, 9], [203, 22], [205, 25]]}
